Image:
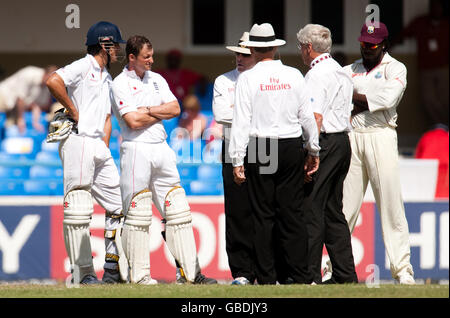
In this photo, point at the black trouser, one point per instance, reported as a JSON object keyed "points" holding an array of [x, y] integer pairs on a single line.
{"points": [[323, 210], [276, 200], [238, 224]]}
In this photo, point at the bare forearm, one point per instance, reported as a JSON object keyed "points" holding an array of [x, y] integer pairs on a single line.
{"points": [[165, 111], [140, 119], [57, 88], [360, 103], [107, 130]]}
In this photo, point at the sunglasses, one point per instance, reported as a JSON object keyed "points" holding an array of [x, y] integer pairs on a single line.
{"points": [[370, 46]]}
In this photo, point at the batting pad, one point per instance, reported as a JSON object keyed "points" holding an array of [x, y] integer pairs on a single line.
{"points": [[179, 233], [78, 209], [135, 236]]}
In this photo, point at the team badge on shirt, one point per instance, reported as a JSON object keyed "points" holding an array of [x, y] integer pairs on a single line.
{"points": [[378, 75]]}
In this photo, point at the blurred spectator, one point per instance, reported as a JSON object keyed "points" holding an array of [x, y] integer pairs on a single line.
{"points": [[434, 145], [23, 91], [192, 120], [181, 80], [214, 131], [340, 57], [431, 32]]}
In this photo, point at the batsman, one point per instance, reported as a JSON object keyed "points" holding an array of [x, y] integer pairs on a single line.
{"points": [[83, 130], [142, 99]]}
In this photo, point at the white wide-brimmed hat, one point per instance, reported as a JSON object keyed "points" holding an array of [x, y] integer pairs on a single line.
{"points": [[262, 35], [241, 48]]}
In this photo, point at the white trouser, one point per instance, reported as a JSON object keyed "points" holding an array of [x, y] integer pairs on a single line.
{"points": [[375, 160], [153, 166], [88, 165], [147, 166]]}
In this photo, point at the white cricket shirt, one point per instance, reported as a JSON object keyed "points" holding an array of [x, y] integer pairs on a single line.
{"points": [[271, 101], [223, 100], [25, 84], [330, 89], [130, 92], [383, 86], [88, 86]]}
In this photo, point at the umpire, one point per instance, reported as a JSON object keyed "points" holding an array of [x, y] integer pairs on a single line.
{"points": [[331, 92], [271, 114]]}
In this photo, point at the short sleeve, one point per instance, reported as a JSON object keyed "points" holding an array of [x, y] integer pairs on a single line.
{"points": [[74, 73], [122, 99]]}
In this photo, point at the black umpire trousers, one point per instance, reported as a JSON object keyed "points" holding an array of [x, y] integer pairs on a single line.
{"points": [[238, 223], [323, 211], [276, 197]]}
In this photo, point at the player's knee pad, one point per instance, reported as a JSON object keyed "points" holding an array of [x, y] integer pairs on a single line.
{"points": [[177, 210], [135, 236], [140, 210], [78, 209], [179, 233]]}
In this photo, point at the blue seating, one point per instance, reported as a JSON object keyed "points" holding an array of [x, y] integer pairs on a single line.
{"points": [[114, 147], [206, 187], [187, 173], [47, 157], [170, 125], [18, 145], [49, 146], [18, 172], [187, 151], [44, 187], [28, 116], [209, 172], [46, 172], [115, 129], [11, 187]]}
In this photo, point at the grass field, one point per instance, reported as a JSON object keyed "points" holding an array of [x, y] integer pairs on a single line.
{"points": [[223, 291]]}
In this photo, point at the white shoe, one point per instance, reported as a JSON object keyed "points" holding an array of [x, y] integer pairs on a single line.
{"points": [[147, 280], [240, 281], [327, 273], [406, 279]]}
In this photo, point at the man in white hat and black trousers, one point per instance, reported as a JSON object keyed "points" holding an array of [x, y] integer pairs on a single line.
{"points": [[273, 116], [238, 215]]}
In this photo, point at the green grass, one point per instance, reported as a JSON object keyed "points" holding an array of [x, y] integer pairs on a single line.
{"points": [[223, 291]]}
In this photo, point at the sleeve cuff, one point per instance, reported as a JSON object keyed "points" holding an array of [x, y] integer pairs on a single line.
{"points": [[237, 162]]}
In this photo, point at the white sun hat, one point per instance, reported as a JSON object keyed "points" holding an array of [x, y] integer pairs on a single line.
{"points": [[263, 35], [241, 48]]}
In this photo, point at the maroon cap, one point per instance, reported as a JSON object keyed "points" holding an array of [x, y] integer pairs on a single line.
{"points": [[370, 33]]}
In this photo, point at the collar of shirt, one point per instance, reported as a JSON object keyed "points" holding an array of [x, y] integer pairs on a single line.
{"points": [[133, 74], [386, 59], [320, 58], [267, 63], [96, 66]]}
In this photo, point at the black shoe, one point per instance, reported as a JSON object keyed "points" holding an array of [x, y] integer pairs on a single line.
{"points": [[201, 279], [287, 281], [90, 280], [330, 281], [111, 276]]}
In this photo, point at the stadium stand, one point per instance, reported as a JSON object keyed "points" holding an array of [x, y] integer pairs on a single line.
{"points": [[31, 166]]}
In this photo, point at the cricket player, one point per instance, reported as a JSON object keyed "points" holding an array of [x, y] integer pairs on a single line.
{"points": [[379, 83], [142, 99], [83, 88]]}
